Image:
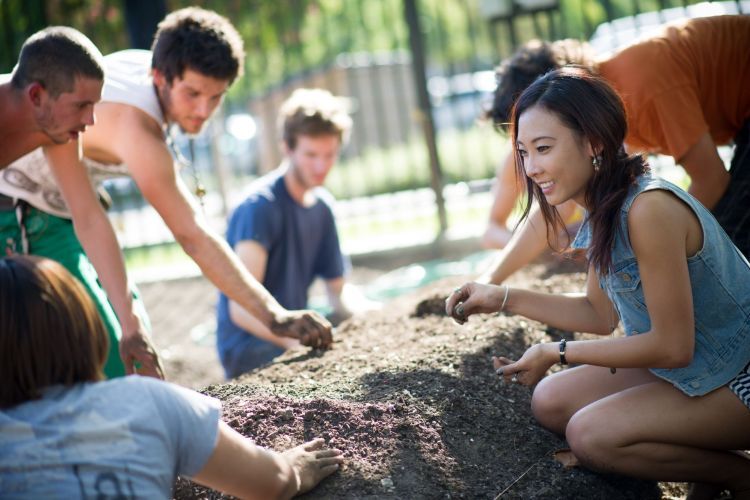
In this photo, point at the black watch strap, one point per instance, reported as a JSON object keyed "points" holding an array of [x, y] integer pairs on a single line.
{"points": [[563, 361]]}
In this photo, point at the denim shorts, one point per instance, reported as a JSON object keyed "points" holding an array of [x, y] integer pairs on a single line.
{"points": [[740, 385]]}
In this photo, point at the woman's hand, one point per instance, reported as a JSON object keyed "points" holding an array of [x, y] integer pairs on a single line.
{"points": [[312, 462], [532, 366], [474, 298]]}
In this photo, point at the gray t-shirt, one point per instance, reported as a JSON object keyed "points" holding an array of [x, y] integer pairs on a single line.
{"points": [[126, 438]]}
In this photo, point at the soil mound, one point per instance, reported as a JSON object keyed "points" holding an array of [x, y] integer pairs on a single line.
{"points": [[411, 398]]}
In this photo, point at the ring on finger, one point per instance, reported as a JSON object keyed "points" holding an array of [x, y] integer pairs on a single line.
{"points": [[514, 378]]}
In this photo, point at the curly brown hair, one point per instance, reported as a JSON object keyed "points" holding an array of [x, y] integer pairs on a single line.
{"points": [[528, 63], [313, 112], [200, 40]]}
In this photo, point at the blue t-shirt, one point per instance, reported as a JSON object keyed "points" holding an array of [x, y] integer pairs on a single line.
{"points": [[302, 244], [126, 437]]}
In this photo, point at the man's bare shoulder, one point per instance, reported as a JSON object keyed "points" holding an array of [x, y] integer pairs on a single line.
{"points": [[115, 114], [118, 128]]}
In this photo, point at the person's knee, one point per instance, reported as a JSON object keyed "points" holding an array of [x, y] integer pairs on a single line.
{"points": [[589, 440], [548, 406]]}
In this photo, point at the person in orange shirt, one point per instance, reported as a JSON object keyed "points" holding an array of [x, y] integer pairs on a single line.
{"points": [[685, 92]]}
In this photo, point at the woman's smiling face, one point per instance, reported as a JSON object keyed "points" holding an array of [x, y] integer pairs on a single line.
{"points": [[554, 156]]}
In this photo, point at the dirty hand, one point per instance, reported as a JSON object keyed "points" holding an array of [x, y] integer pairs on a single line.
{"points": [[528, 370], [309, 327], [139, 354], [473, 298], [312, 462]]}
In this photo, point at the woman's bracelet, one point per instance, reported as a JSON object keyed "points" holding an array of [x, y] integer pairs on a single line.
{"points": [[563, 361], [505, 299]]}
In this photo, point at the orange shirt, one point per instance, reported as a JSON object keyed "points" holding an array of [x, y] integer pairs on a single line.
{"points": [[692, 78]]}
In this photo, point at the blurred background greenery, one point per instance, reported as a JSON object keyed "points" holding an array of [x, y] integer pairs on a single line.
{"points": [[418, 73]]}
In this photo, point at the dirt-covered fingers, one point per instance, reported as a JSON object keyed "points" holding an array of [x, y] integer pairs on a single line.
{"points": [[140, 356], [454, 304], [473, 298], [313, 445], [325, 330], [316, 330], [507, 369], [304, 335]]}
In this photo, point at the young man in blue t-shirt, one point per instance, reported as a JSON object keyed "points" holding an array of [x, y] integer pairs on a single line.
{"points": [[284, 232]]}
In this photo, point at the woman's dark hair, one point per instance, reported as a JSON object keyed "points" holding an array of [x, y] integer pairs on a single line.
{"points": [[200, 40], [50, 331], [586, 104], [528, 63]]}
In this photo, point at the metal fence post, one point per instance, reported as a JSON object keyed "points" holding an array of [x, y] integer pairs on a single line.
{"points": [[424, 113]]}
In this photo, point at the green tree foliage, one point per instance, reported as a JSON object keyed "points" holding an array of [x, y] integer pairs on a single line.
{"points": [[286, 38], [18, 20]]}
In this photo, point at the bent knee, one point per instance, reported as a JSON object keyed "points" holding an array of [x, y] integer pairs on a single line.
{"points": [[549, 406], [589, 439]]}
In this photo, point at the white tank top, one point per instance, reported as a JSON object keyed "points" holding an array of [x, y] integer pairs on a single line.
{"points": [[127, 81]]}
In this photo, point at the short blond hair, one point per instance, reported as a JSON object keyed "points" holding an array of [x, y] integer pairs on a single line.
{"points": [[314, 112]]}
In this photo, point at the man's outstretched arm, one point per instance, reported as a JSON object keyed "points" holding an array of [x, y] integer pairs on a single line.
{"points": [[254, 257], [154, 172]]}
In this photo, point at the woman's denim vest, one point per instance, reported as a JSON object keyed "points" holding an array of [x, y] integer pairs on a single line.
{"points": [[720, 281]]}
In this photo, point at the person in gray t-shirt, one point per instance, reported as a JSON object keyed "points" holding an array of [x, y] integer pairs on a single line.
{"points": [[65, 433]]}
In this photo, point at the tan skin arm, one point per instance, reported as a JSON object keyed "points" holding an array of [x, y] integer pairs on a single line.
{"points": [[663, 232], [343, 298], [709, 178], [527, 242], [94, 230], [240, 468], [505, 194], [136, 139], [255, 257], [591, 312]]}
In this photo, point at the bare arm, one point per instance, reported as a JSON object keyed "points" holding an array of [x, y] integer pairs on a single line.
{"points": [[591, 312], [240, 468], [708, 175], [662, 232], [337, 291], [94, 231], [505, 194], [254, 257], [529, 241], [153, 170]]}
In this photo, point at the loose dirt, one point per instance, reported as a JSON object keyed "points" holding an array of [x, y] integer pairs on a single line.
{"points": [[412, 400]]}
